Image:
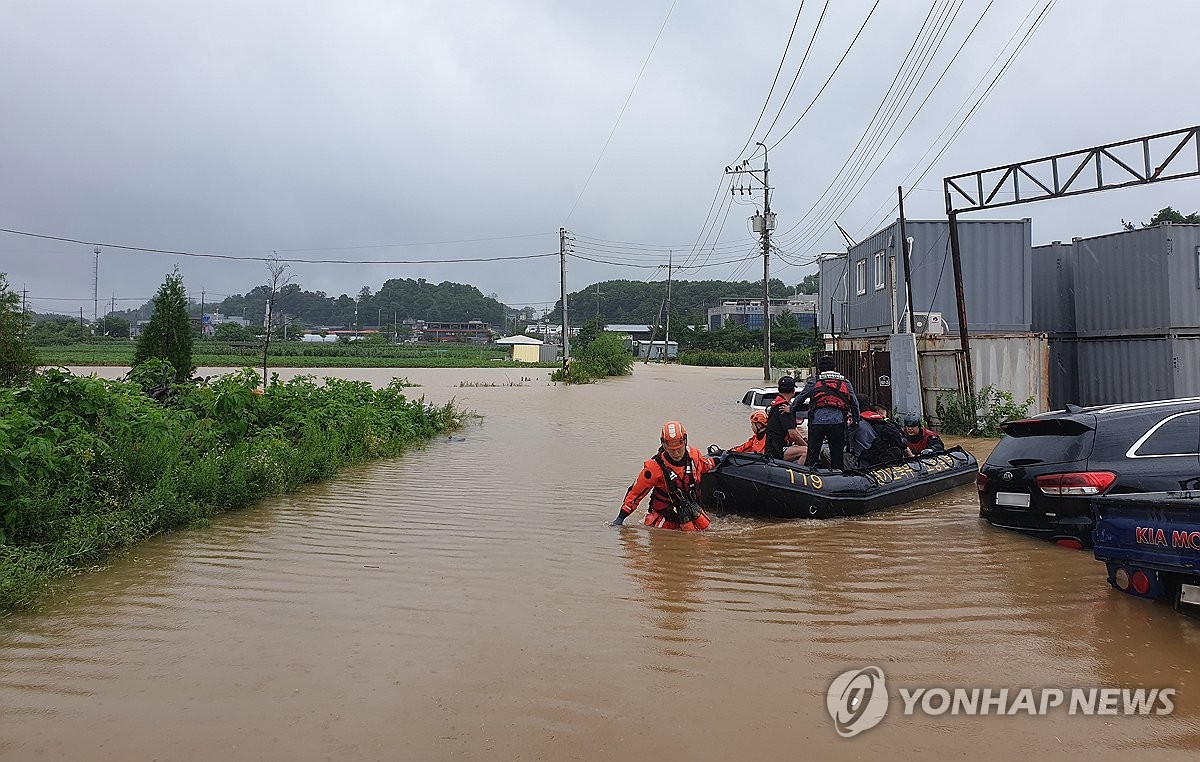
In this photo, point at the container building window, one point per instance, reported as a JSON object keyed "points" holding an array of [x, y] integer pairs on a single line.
{"points": [[880, 271], [860, 276]]}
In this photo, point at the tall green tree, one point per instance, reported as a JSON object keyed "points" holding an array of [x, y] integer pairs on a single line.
{"points": [[18, 360], [169, 333], [1166, 214], [811, 284]]}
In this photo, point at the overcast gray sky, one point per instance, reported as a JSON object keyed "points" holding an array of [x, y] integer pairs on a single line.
{"points": [[375, 130]]}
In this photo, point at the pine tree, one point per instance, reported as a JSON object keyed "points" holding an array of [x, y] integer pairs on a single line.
{"points": [[169, 333], [18, 360]]}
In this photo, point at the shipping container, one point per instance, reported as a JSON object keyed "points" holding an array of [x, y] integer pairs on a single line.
{"points": [[996, 256], [1053, 288], [1063, 372], [1138, 369], [831, 304], [1143, 282]]}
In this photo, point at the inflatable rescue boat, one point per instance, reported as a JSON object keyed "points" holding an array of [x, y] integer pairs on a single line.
{"points": [[751, 484]]}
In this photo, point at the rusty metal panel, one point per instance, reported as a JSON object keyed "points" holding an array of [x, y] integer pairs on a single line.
{"points": [[864, 369], [1053, 288], [1016, 363]]}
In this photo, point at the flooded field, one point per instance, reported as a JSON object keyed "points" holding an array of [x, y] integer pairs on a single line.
{"points": [[470, 601]]}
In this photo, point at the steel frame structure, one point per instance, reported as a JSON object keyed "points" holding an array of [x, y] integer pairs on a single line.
{"points": [[1043, 178]]}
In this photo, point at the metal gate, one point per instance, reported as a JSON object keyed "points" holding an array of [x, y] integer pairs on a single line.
{"points": [[870, 371]]}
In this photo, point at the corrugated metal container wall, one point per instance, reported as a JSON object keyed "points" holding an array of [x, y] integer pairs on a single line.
{"points": [[1052, 285], [830, 314], [996, 259], [870, 296], [1063, 372], [1120, 284], [1187, 366], [1184, 276], [1138, 282], [1125, 370]]}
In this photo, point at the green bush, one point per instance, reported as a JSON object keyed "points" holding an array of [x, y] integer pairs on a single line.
{"points": [[800, 358], [88, 465], [991, 408]]}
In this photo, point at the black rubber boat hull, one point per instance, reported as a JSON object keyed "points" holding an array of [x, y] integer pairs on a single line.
{"points": [[755, 485]]}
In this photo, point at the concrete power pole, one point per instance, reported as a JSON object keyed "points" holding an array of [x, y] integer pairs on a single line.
{"points": [[95, 289], [764, 224], [766, 246], [667, 340], [562, 268]]}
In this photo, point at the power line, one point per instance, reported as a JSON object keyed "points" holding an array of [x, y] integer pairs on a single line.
{"points": [[209, 255], [621, 114], [830, 77], [889, 107], [799, 70], [775, 81]]}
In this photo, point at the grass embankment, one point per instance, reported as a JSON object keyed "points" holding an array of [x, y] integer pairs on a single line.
{"points": [[213, 354], [800, 358], [88, 465]]}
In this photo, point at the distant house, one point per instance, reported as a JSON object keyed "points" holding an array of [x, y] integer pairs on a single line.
{"points": [[529, 349], [472, 331]]}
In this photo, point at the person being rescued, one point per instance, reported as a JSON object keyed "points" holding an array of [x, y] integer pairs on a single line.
{"points": [[672, 479], [758, 434], [784, 441], [877, 440], [920, 439]]}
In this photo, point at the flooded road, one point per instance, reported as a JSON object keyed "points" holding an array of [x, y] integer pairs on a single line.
{"points": [[470, 601]]}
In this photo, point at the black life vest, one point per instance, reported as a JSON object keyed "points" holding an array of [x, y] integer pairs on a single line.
{"points": [[831, 392], [681, 501]]}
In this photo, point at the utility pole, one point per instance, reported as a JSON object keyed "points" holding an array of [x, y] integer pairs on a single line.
{"points": [[763, 223], [24, 300], [667, 340], [95, 289], [81, 332], [203, 332], [562, 267], [912, 321], [598, 295]]}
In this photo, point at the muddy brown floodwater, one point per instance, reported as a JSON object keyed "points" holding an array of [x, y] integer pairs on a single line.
{"points": [[470, 601]]}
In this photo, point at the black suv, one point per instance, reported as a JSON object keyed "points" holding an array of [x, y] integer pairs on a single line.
{"points": [[1041, 475]]}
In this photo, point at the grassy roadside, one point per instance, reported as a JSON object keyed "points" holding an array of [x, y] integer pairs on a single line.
{"points": [[89, 465]]}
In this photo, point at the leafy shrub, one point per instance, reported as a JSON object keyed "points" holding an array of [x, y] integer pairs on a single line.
{"points": [[88, 465], [991, 408]]}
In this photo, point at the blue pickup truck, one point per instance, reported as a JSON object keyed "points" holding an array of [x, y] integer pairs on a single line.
{"points": [[1150, 542]]}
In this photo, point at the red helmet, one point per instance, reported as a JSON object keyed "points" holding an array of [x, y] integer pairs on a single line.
{"points": [[758, 416], [673, 434]]}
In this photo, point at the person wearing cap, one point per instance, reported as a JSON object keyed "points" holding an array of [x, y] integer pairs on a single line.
{"points": [[672, 479], [918, 438], [782, 427], [758, 434], [831, 401]]}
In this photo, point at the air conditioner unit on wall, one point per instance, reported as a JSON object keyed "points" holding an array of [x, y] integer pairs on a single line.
{"points": [[929, 323]]}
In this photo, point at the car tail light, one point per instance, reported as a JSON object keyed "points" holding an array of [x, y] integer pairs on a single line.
{"points": [[1083, 483], [1121, 579], [1140, 582], [1069, 542], [981, 482]]}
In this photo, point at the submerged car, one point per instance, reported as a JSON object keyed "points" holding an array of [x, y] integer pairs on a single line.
{"points": [[1043, 473], [760, 398]]}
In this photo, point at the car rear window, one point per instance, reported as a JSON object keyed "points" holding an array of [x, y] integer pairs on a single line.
{"points": [[1053, 440]]}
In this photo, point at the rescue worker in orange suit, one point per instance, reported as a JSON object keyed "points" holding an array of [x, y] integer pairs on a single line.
{"points": [[672, 479], [758, 440], [831, 400]]}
